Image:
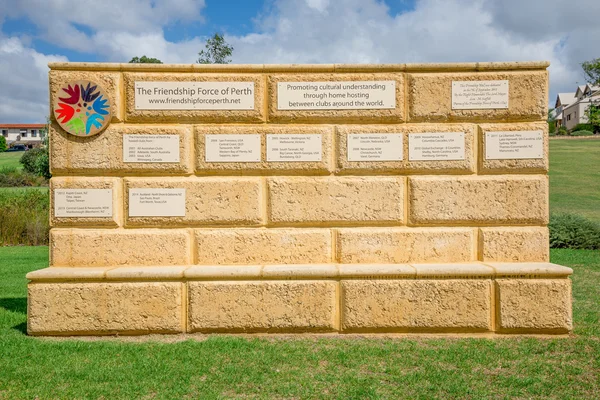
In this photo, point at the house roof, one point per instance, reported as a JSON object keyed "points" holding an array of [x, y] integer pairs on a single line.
{"points": [[565, 99], [592, 88], [580, 91], [22, 126]]}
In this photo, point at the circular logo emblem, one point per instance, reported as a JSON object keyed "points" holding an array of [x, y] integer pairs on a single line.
{"points": [[82, 108]]}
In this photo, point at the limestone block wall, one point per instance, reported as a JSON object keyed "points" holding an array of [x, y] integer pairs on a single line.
{"points": [[310, 221]]}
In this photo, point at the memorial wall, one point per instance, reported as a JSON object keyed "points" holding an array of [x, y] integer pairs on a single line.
{"points": [[299, 198]]}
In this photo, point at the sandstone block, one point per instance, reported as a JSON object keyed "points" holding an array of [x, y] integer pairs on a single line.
{"points": [[281, 306], [118, 247], [263, 246], [87, 183], [264, 167], [418, 305], [336, 200], [534, 305], [513, 166], [208, 201], [104, 308], [335, 115], [197, 115], [102, 154], [109, 81], [508, 244], [430, 96], [466, 166], [483, 200], [405, 245]]}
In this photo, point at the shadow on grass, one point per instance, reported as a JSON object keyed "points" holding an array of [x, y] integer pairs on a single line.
{"points": [[17, 305]]}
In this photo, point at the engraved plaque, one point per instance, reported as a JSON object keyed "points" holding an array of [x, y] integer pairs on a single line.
{"points": [[89, 203], [156, 95], [232, 148], [336, 95], [151, 148], [436, 146], [156, 202], [479, 95], [294, 147], [514, 145], [375, 147]]}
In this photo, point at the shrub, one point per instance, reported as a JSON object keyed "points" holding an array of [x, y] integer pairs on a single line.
{"points": [[42, 165], [37, 162], [562, 131], [582, 133], [24, 217], [583, 127], [29, 158], [2, 144], [570, 231], [552, 127], [13, 177]]}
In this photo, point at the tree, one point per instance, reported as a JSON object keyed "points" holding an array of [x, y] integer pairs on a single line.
{"points": [[2, 144], [591, 70], [593, 115], [551, 121], [145, 60], [217, 51]]}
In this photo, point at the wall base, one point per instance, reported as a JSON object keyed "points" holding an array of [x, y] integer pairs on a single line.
{"points": [[504, 298]]}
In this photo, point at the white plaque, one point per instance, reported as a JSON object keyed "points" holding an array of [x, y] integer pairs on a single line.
{"points": [[156, 202], [151, 148], [340, 95], [474, 95], [232, 148], [294, 147], [83, 203], [436, 146], [193, 95], [375, 147], [514, 145]]}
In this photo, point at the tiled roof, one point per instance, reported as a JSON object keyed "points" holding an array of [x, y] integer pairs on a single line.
{"points": [[22, 126]]}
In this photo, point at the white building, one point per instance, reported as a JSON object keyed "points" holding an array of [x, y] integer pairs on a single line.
{"points": [[27, 134], [571, 108]]}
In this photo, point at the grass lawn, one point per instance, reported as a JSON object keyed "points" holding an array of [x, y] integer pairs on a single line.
{"points": [[322, 368], [575, 177], [11, 159]]}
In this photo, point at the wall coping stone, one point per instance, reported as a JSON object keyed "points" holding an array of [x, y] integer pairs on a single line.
{"points": [[263, 68], [303, 271]]}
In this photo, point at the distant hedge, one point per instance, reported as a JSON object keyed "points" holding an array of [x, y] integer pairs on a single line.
{"points": [[582, 133], [24, 217], [583, 127], [570, 231]]}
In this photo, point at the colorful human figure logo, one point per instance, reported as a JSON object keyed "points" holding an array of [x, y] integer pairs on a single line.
{"points": [[82, 108]]}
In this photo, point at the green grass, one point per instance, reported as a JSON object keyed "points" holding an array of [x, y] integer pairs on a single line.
{"points": [[316, 368], [575, 177], [11, 159]]}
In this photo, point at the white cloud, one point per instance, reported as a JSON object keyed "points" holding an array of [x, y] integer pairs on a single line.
{"points": [[309, 31], [363, 31], [23, 82], [68, 23]]}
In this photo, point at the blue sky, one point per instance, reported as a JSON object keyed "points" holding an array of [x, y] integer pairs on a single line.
{"points": [[35, 32]]}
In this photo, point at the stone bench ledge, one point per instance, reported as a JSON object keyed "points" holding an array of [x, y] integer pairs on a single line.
{"points": [[303, 271], [530, 270]]}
